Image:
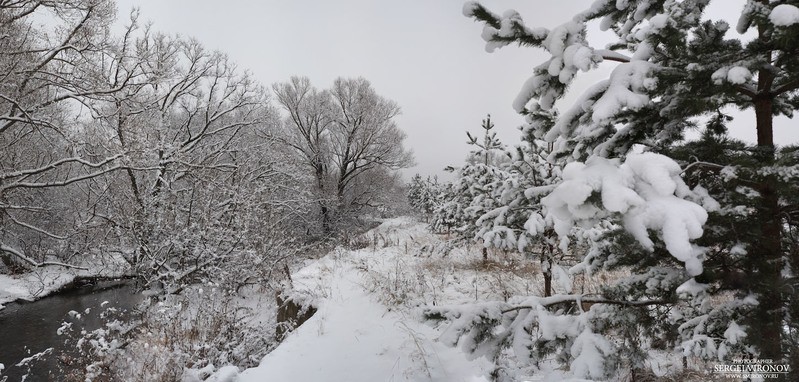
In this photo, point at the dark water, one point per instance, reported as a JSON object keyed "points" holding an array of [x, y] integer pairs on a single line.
{"points": [[31, 327]]}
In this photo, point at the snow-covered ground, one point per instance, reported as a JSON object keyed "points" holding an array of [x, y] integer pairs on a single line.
{"points": [[45, 280], [367, 327], [369, 324]]}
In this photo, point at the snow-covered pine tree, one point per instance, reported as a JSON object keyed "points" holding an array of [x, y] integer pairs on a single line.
{"points": [[518, 222], [449, 211], [733, 237], [490, 143], [465, 199], [423, 195], [415, 191], [676, 69], [472, 193]]}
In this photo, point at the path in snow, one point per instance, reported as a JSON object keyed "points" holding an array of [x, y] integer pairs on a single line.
{"points": [[355, 337]]}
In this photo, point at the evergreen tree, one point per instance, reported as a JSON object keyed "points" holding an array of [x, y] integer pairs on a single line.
{"points": [[733, 239], [518, 221], [415, 191], [423, 195], [687, 246], [472, 193], [467, 198], [489, 144]]}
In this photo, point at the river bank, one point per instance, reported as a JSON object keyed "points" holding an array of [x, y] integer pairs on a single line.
{"points": [[47, 280]]}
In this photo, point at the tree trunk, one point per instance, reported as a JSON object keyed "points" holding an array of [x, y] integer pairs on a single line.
{"points": [[546, 267], [767, 274], [766, 258], [326, 229], [139, 214], [547, 283], [6, 260], [325, 210]]}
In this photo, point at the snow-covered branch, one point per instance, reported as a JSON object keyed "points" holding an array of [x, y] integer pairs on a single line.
{"points": [[579, 299], [61, 183], [56, 164], [19, 255], [611, 55], [33, 227], [701, 164]]}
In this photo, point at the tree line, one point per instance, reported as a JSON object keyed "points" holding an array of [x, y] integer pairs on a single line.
{"points": [[151, 148]]}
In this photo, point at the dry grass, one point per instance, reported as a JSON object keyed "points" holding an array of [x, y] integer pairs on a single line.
{"points": [[444, 274], [515, 264], [523, 268]]}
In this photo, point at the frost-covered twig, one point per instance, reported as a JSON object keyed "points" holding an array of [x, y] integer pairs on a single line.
{"points": [[702, 164]]}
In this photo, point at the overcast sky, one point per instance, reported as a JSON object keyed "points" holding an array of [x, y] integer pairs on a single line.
{"points": [[423, 54]]}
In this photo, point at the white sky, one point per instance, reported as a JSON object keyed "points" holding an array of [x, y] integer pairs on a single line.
{"points": [[423, 54]]}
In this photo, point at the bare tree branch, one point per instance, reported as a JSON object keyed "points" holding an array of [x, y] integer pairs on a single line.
{"points": [[19, 255]]}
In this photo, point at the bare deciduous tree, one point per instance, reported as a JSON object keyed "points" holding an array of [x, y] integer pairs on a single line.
{"points": [[343, 135], [364, 136], [205, 192], [48, 77], [307, 131]]}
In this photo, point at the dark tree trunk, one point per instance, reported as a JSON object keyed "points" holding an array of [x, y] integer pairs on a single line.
{"points": [[327, 229], [547, 283], [6, 260], [546, 266], [766, 258]]}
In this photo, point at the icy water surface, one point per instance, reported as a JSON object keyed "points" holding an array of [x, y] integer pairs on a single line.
{"points": [[31, 327]]}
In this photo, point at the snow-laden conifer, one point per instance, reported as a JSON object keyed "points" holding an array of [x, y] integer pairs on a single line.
{"points": [[703, 229]]}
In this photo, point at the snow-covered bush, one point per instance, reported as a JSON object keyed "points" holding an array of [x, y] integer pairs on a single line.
{"points": [[179, 335]]}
